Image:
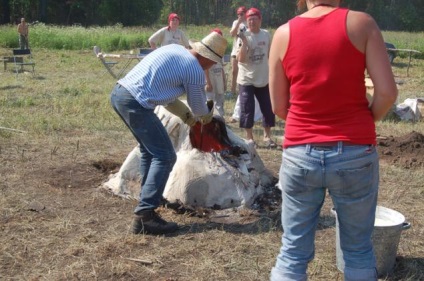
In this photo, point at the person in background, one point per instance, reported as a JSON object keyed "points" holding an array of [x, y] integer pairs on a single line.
{"points": [[160, 79], [23, 31], [239, 25], [252, 56], [170, 34], [317, 83], [236, 113], [216, 84]]}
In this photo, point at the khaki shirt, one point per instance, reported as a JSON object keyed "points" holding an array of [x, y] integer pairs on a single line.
{"points": [[164, 37]]}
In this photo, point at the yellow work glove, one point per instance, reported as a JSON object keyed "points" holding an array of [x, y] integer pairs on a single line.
{"points": [[207, 118], [181, 110]]}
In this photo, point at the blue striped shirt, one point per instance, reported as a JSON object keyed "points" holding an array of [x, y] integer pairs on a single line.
{"points": [[164, 75]]}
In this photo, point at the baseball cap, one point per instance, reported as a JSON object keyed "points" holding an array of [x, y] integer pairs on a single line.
{"points": [[173, 16], [253, 12], [241, 10], [217, 30]]}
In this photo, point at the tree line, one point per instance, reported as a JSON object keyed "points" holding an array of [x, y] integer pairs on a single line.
{"points": [[404, 15]]}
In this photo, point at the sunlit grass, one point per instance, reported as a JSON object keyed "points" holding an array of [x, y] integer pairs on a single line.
{"points": [[111, 38]]}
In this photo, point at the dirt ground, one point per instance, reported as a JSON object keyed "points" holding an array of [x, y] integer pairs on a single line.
{"points": [[405, 151], [48, 201]]}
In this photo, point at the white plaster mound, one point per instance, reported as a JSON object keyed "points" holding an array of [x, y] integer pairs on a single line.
{"points": [[200, 179]]}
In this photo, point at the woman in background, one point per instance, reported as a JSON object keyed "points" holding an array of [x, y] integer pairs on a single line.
{"points": [[317, 71], [169, 34]]}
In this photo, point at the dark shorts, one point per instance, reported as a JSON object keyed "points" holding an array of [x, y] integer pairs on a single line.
{"points": [[247, 106]]}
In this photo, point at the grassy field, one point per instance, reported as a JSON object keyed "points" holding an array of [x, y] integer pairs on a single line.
{"points": [[117, 38], [57, 132]]}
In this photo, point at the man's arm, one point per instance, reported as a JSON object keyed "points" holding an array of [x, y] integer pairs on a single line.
{"points": [[235, 28], [243, 49], [156, 38], [208, 87]]}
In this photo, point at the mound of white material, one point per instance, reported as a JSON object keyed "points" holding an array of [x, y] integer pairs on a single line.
{"points": [[199, 178]]}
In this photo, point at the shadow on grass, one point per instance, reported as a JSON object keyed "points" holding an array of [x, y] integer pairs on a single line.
{"points": [[264, 223], [261, 225], [407, 268], [10, 87]]}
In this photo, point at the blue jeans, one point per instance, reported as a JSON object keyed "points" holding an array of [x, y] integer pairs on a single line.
{"points": [[351, 175], [157, 153]]}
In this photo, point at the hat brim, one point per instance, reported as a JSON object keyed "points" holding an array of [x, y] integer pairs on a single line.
{"points": [[202, 50]]}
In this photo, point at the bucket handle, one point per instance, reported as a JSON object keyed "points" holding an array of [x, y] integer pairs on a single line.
{"points": [[406, 225]]}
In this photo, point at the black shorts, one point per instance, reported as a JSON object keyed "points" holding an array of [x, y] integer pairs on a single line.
{"points": [[247, 106]]}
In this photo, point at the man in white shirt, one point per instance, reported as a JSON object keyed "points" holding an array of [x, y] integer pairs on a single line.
{"points": [[252, 56]]}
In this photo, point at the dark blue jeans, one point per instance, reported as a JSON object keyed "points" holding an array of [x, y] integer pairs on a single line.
{"points": [[247, 96], [157, 153]]}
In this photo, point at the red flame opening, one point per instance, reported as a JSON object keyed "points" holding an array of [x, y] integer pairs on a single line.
{"points": [[211, 137]]}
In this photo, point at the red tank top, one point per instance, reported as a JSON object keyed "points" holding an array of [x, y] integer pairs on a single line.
{"points": [[327, 83]]}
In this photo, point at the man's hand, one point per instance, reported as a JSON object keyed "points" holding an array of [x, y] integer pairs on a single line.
{"points": [[190, 119], [207, 118], [181, 110], [208, 88]]}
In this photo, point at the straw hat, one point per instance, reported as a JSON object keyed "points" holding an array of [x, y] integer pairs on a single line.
{"points": [[211, 47]]}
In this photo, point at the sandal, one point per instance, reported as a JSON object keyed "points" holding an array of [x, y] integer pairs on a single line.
{"points": [[270, 144], [252, 143]]}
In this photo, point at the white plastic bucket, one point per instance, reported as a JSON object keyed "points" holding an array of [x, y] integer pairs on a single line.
{"points": [[388, 227]]}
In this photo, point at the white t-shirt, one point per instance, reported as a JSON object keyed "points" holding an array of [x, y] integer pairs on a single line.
{"points": [[241, 26], [216, 78], [164, 36], [255, 70]]}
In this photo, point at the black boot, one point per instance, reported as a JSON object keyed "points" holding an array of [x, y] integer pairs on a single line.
{"points": [[149, 222]]}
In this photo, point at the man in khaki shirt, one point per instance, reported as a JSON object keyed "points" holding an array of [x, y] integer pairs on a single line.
{"points": [[23, 34]]}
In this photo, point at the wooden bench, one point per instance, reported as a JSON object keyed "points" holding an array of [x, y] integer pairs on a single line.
{"points": [[409, 51]]}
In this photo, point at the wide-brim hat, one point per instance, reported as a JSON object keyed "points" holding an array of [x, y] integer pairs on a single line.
{"points": [[212, 47]]}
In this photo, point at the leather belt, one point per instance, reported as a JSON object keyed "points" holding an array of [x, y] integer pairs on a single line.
{"points": [[332, 143]]}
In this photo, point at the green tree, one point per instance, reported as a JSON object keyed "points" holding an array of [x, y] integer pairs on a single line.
{"points": [[130, 12]]}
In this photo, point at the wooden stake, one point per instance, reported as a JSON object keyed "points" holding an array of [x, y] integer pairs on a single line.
{"points": [[139, 260], [13, 130]]}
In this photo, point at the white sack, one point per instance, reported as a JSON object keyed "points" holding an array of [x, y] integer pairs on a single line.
{"points": [[199, 178]]}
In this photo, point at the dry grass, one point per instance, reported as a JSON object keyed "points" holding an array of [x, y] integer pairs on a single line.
{"points": [[56, 225]]}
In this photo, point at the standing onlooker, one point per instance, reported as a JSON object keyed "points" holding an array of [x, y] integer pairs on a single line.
{"points": [[252, 56], [23, 31], [216, 84], [160, 79], [239, 25], [170, 34], [317, 83]]}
